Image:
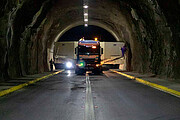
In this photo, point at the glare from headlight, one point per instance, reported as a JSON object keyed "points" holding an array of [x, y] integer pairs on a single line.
{"points": [[69, 65], [97, 65]]}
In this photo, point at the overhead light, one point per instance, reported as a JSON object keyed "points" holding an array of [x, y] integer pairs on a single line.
{"points": [[85, 14], [85, 6], [85, 25], [85, 20]]}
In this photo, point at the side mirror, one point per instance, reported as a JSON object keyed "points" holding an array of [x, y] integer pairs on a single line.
{"points": [[101, 51]]}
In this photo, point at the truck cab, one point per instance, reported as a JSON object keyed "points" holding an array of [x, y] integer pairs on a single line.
{"points": [[88, 54]]}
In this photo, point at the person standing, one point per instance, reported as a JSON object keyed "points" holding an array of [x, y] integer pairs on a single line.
{"points": [[51, 64], [123, 49]]}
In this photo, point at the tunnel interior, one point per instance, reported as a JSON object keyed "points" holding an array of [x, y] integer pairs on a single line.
{"points": [[64, 48], [150, 30]]}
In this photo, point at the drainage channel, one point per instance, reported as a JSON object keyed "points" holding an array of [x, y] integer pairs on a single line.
{"points": [[89, 106]]}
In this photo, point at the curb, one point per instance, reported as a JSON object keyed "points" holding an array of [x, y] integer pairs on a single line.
{"points": [[156, 86], [15, 88]]}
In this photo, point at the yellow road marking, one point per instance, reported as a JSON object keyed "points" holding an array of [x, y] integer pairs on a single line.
{"points": [[12, 89], [159, 87]]}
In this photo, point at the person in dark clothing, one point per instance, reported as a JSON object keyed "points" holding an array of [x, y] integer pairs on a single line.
{"points": [[51, 64], [123, 49]]}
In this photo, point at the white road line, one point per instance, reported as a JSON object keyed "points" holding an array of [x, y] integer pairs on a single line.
{"points": [[89, 107]]}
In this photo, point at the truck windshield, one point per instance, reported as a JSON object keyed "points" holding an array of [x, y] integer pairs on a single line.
{"points": [[83, 50]]}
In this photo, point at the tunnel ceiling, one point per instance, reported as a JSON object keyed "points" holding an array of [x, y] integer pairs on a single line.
{"points": [[89, 33], [72, 15], [150, 29]]}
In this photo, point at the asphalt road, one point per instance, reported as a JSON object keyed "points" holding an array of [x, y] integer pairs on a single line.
{"points": [[109, 96]]}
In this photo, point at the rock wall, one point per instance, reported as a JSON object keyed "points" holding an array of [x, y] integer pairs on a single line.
{"points": [[171, 10], [22, 49], [156, 45]]}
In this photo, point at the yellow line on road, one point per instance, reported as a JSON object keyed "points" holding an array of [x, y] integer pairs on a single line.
{"points": [[12, 89], [156, 86]]}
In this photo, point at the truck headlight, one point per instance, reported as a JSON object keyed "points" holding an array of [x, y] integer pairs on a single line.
{"points": [[97, 65], [81, 64], [69, 65]]}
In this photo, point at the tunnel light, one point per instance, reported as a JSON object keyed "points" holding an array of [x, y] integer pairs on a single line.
{"points": [[86, 25], [85, 14], [85, 20], [85, 6]]}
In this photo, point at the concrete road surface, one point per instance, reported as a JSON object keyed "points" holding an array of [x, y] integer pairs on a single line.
{"points": [[109, 96]]}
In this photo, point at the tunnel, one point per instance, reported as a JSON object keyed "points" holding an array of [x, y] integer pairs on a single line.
{"points": [[64, 48], [150, 29], [89, 60]]}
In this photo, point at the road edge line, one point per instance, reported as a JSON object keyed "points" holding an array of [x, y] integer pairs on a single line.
{"points": [[153, 85], [15, 88]]}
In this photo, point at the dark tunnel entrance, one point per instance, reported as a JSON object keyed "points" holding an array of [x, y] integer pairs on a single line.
{"points": [[88, 33]]}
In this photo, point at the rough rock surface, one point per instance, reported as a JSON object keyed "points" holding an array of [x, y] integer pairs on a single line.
{"points": [[150, 29]]}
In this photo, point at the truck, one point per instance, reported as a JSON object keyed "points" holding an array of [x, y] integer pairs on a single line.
{"points": [[65, 57], [88, 54]]}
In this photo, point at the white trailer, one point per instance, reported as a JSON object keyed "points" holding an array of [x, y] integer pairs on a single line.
{"points": [[65, 51]]}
